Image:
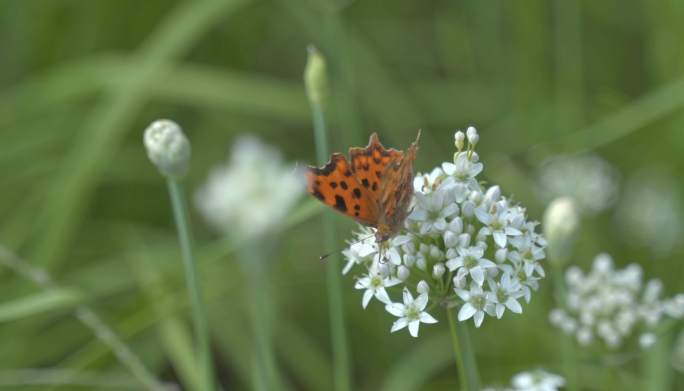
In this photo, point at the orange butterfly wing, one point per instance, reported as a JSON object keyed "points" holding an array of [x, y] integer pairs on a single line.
{"points": [[397, 190], [337, 186], [369, 164]]}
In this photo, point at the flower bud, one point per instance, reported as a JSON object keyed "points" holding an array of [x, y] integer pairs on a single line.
{"points": [[459, 140], [438, 270], [456, 226], [450, 239], [474, 157], [385, 269], [471, 131], [501, 255], [421, 263], [482, 244], [476, 197], [424, 248], [451, 254], [409, 248], [434, 252], [459, 283], [316, 78], [493, 193], [409, 260], [470, 231], [473, 139], [561, 221], [168, 148], [468, 209], [403, 273], [423, 287]]}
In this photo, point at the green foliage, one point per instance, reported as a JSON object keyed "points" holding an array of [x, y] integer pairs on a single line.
{"points": [[80, 81]]}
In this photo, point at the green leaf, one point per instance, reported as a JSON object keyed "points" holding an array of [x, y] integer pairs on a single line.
{"points": [[40, 302]]}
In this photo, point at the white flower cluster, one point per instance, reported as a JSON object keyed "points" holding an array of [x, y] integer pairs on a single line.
{"points": [[610, 304], [251, 193], [476, 248], [536, 380]]}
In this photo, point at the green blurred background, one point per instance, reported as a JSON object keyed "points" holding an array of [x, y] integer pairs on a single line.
{"points": [[80, 81]]}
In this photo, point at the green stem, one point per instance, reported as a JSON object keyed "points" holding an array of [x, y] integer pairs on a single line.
{"points": [[466, 363], [568, 345], [610, 378], [341, 367], [180, 212]]}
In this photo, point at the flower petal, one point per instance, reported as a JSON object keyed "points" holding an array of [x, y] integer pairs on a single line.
{"points": [[449, 168], [466, 312], [396, 309], [500, 239], [367, 295], [427, 318], [513, 305], [479, 317], [463, 294], [399, 324], [482, 215], [477, 275], [500, 308], [408, 298], [413, 327], [381, 294], [421, 301]]}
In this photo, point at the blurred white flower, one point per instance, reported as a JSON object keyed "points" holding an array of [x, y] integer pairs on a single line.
{"points": [[649, 213], [432, 211], [610, 304], [410, 313], [252, 193], [425, 183], [537, 380], [561, 224], [500, 221], [589, 179]]}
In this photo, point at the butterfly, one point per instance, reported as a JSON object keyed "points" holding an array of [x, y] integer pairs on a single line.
{"points": [[374, 189]]}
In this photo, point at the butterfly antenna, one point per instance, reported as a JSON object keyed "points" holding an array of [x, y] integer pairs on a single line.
{"points": [[347, 246]]}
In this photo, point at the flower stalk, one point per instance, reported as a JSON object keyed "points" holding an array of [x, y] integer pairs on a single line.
{"points": [[468, 374], [316, 82]]}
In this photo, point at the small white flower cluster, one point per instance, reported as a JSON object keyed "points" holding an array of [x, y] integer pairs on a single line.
{"points": [[610, 304], [468, 236], [537, 380], [251, 193]]}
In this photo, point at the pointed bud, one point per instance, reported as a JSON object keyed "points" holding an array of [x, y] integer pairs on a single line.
{"points": [[468, 209], [456, 226], [471, 131], [501, 255], [423, 287], [424, 248], [385, 269], [168, 148], [316, 78], [561, 222], [409, 260], [493, 193], [434, 252], [470, 230], [459, 283], [450, 239], [451, 254], [403, 273], [409, 248], [473, 138], [421, 263], [459, 140], [438, 270], [474, 157]]}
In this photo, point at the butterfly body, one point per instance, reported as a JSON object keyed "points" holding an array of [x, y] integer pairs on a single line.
{"points": [[374, 189]]}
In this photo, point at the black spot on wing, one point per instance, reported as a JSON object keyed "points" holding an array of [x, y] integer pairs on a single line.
{"points": [[344, 185], [318, 183], [357, 207], [340, 204], [357, 192], [347, 173], [378, 174], [356, 213], [328, 168], [365, 183], [333, 184], [316, 193], [375, 186]]}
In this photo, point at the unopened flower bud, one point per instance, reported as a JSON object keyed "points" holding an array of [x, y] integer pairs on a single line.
{"points": [[468, 209], [403, 273], [482, 244], [456, 226], [450, 239], [476, 197], [560, 225], [471, 131], [385, 269], [424, 248], [459, 283], [168, 148], [423, 287], [470, 230], [421, 263], [434, 252], [459, 140], [501, 255], [316, 78], [493, 193], [409, 260], [409, 248], [438, 270], [451, 253], [474, 157], [473, 138]]}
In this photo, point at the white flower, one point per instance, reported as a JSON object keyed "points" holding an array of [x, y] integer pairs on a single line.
{"points": [[461, 176], [504, 294], [537, 380], [476, 304], [424, 183], [432, 212], [500, 221], [471, 262], [410, 313], [374, 284], [526, 280], [390, 250], [358, 253], [561, 223], [528, 253], [168, 148], [647, 340], [252, 193]]}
